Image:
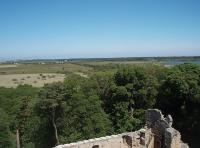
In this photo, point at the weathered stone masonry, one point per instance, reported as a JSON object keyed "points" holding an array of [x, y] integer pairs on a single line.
{"points": [[158, 133]]}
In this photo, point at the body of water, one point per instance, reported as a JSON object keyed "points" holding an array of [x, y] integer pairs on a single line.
{"points": [[171, 62]]}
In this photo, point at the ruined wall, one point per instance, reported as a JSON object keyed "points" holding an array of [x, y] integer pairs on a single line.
{"points": [[158, 133], [165, 136]]}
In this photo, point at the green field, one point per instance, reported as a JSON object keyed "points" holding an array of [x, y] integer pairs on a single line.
{"points": [[85, 68], [42, 68], [113, 62], [65, 68], [12, 75]]}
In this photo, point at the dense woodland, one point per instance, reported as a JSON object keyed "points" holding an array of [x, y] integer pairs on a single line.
{"points": [[103, 104]]}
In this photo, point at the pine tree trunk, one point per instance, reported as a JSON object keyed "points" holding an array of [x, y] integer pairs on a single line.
{"points": [[17, 139], [55, 129]]}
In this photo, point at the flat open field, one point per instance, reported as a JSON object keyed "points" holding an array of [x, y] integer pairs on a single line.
{"points": [[12, 75], [42, 68], [84, 67], [7, 65], [39, 73], [36, 80], [114, 62]]}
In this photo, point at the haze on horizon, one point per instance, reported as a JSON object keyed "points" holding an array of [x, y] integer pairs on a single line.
{"points": [[100, 28]]}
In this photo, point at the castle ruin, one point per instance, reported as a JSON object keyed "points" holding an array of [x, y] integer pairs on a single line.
{"points": [[157, 133]]}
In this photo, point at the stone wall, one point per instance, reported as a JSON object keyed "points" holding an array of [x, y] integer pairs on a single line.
{"points": [[165, 136], [158, 133]]}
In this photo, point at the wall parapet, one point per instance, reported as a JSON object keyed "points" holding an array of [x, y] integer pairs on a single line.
{"points": [[158, 133]]}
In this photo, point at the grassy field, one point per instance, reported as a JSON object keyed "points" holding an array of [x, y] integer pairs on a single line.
{"points": [[7, 65], [112, 62], [12, 75], [42, 68], [38, 74], [65, 68], [36, 80]]}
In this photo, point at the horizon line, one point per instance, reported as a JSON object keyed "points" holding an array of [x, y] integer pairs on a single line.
{"points": [[85, 58]]}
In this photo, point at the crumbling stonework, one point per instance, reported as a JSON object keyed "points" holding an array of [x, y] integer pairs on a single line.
{"points": [[158, 133], [164, 135]]}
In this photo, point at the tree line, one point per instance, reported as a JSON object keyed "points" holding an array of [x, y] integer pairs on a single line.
{"points": [[81, 108]]}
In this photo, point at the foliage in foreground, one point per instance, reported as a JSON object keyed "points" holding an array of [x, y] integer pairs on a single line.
{"points": [[179, 96], [73, 111], [82, 108]]}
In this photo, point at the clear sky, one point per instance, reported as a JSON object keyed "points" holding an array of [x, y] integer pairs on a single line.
{"points": [[98, 28]]}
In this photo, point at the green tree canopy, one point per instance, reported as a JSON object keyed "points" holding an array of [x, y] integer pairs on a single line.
{"points": [[179, 95], [132, 91], [73, 110]]}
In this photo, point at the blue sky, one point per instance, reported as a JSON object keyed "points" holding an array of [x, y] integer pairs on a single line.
{"points": [[98, 28]]}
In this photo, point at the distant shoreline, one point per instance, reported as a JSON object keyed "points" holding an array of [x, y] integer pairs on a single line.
{"points": [[156, 58]]}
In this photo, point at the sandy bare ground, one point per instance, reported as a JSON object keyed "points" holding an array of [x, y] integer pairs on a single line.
{"points": [[82, 74], [7, 66], [36, 80]]}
